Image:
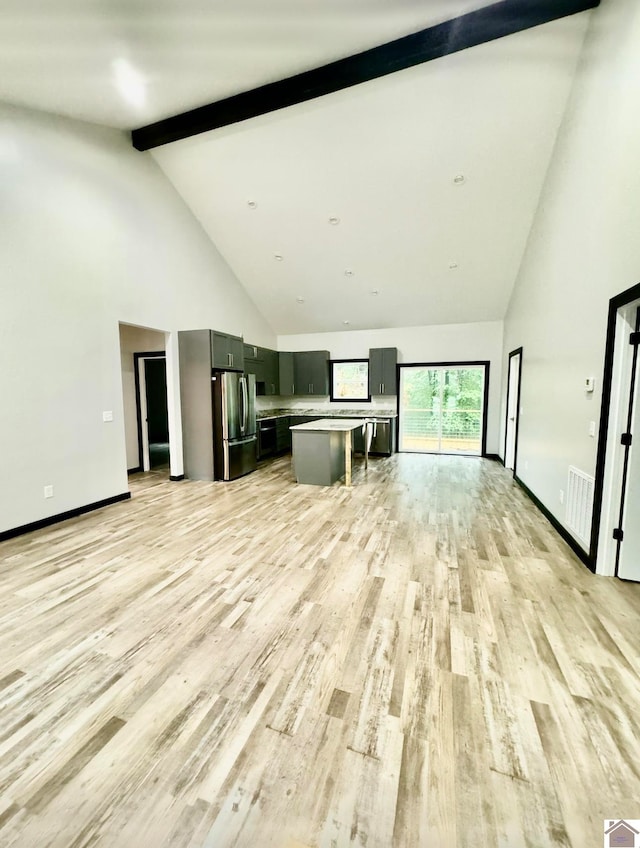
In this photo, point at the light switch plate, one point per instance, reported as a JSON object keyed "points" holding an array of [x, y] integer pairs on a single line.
{"points": [[107, 416]]}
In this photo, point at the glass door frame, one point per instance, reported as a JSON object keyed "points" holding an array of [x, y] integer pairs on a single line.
{"points": [[482, 363]]}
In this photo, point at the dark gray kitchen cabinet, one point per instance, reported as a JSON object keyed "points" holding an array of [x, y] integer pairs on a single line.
{"points": [[227, 351], [285, 368], [311, 372], [254, 364], [283, 434], [251, 352], [382, 370], [264, 364], [271, 371]]}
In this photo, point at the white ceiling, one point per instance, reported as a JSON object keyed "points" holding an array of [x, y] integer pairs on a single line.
{"points": [[382, 156]]}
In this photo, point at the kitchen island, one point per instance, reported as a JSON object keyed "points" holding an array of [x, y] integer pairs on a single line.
{"points": [[322, 450]]}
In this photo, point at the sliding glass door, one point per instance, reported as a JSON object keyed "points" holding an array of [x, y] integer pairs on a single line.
{"points": [[442, 408]]}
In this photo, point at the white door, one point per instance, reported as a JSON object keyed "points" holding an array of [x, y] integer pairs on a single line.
{"points": [[629, 546], [513, 407]]}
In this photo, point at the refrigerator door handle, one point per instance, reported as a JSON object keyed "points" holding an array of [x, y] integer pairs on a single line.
{"points": [[244, 404], [223, 395]]}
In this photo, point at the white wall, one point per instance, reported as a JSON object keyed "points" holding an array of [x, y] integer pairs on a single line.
{"points": [[437, 343], [91, 234], [583, 249]]}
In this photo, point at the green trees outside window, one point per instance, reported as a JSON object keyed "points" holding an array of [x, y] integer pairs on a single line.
{"points": [[350, 379], [441, 408]]}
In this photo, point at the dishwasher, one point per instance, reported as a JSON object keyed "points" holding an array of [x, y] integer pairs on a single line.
{"points": [[380, 436]]}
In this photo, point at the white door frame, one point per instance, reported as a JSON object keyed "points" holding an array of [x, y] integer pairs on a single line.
{"points": [[615, 405], [512, 423]]}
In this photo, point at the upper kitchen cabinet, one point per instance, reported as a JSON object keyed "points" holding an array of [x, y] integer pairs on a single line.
{"points": [[382, 371], [285, 367], [264, 363], [227, 351], [311, 372], [254, 363], [271, 373], [252, 352]]}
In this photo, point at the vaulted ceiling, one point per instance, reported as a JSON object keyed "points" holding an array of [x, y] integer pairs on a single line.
{"points": [[404, 200]]}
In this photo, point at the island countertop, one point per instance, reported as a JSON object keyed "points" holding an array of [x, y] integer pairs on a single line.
{"points": [[329, 425], [263, 414], [321, 450]]}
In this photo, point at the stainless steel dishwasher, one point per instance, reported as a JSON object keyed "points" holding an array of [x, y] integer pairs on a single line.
{"points": [[381, 438]]}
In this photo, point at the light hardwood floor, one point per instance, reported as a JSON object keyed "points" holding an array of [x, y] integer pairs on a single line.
{"points": [[416, 661]]}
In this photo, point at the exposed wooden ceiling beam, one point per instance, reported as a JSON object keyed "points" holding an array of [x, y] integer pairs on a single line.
{"points": [[474, 28]]}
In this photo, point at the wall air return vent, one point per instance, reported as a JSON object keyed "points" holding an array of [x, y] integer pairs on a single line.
{"points": [[579, 503]]}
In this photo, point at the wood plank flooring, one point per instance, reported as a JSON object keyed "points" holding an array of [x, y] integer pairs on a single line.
{"points": [[416, 661]]}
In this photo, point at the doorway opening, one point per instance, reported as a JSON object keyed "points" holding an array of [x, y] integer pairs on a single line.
{"points": [[514, 376], [152, 412], [615, 536], [145, 387], [443, 408]]}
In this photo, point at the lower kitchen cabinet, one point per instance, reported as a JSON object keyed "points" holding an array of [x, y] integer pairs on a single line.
{"points": [[274, 436], [283, 435]]}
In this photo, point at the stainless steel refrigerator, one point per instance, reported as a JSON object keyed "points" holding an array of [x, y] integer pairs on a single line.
{"points": [[234, 424]]}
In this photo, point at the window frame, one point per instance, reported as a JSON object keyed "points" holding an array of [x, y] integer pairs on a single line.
{"points": [[484, 363], [341, 361]]}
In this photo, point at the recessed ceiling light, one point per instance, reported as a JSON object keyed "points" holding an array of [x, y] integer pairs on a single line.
{"points": [[334, 220], [278, 257], [349, 273], [251, 204], [459, 179], [299, 300]]}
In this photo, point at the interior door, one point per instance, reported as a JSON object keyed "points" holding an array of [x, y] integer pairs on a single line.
{"points": [[628, 554], [513, 408]]}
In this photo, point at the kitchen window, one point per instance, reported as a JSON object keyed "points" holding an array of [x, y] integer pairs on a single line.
{"points": [[350, 379]]}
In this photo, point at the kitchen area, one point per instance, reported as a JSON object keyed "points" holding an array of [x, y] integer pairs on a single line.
{"points": [[241, 401]]}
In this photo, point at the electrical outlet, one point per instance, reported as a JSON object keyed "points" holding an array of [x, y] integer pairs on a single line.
{"points": [[592, 428], [561, 496], [107, 416], [48, 491]]}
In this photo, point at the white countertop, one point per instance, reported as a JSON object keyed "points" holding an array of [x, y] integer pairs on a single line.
{"points": [[328, 425]]}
